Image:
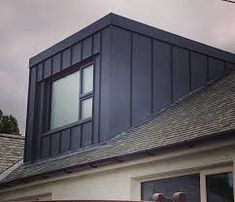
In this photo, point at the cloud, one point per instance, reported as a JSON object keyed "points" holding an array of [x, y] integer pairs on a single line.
{"points": [[28, 27]]}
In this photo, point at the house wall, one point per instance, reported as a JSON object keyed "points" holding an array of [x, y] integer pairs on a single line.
{"points": [[122, 181]]}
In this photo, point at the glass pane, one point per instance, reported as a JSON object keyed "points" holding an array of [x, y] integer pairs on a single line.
{"points": [[87, 79], [86, 108], [65, 98], [189, 184], [220, 187]]}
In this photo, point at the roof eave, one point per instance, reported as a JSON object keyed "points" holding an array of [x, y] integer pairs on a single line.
{"points": [[225, 135]]}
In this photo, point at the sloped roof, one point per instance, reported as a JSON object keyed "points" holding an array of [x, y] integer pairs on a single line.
{"points": [[205, 113], [11, 150]]}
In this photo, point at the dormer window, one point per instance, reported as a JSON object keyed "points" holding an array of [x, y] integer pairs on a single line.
{"points": [[71, 98]]}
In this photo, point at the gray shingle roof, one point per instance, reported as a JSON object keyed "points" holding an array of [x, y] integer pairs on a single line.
{"points": [[11, 150], [206, 112]]}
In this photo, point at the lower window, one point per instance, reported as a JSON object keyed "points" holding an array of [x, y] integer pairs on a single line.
{"points": [[216, 187], [189, 184], [220, 187]]}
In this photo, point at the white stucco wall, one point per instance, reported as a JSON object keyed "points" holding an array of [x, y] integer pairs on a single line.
{"points": [[122, 181]]}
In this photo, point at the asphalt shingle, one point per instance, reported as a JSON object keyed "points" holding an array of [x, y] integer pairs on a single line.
{"points": [[207, 112], [11, 150]]}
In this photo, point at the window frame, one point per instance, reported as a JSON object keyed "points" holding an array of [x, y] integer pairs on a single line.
{"points": [[82, 96], [204, 172], [50, 103], [87, 95], [168, 177], [212, 171]]}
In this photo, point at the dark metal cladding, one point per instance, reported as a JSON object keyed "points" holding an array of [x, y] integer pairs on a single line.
{"points": [[40, 72], [76, 53], [87, 31], [30, 114], [96, 43], [75, 138], [55, 144], [86, 134], [161, 75], [180, 72], [104, 84], [216, 68], [45, 152], [66, 58], [96, 105], [138, 71], [120, 83], [198, 70], [141, 78], [65, 141], [36, 137], [86, 47], [56, 63], [47, 68]]}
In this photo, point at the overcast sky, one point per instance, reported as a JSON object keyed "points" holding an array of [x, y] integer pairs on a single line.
{"points": [[29, 26]]}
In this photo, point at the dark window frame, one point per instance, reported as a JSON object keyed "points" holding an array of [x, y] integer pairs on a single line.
{"points": [[82, 96]]}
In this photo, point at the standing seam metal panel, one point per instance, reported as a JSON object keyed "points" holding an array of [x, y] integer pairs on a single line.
{"points": [[58, 142], [141, 78], [135, 76]]}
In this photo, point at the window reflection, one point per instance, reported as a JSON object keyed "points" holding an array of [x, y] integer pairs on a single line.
{"points": [[189, 184], [86, 110], [220, 187], [87, 79], [64, 100], [71, 98]]}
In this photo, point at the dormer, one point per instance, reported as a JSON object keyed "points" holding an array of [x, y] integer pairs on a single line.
{"points": [[107, 78]]}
